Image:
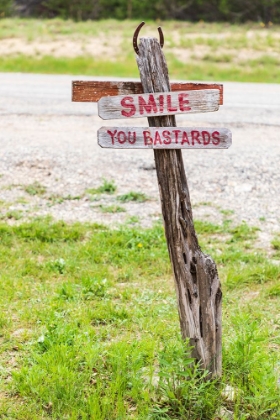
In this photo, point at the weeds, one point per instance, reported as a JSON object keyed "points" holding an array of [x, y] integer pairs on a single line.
{"points": [[183, 389], [248, 365]]}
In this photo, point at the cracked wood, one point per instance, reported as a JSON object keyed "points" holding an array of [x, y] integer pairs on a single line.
{"points": [[197, 283]]}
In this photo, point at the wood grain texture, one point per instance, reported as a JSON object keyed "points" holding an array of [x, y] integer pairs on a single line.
{"points": [[164, 138], [162, 103], [92, 91], [196, 278]]}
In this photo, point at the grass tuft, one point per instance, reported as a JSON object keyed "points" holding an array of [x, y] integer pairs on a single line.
{"points": [[35, 189], [133, 196], [112, 209], [276, 245], [273, 291], [252, 274], [107, 187]]}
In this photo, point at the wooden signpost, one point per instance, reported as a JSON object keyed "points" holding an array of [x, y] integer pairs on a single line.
{"points": [[197, 283]]}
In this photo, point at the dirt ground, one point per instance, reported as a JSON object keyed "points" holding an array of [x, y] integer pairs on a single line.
{"points": [[49, 140]]}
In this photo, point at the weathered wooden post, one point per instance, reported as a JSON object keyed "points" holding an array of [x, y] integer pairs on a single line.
{"points": [[196, 278]]}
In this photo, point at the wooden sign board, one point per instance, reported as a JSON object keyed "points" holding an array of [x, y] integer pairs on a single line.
{"points": [[158, 104], [92, 91], [164, 138]]}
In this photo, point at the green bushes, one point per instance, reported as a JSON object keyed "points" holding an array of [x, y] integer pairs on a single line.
{"points": [[265, 11], [5, 8]]}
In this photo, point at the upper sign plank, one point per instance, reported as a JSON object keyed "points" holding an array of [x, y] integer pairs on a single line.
{"points": [[158, 104], [92, 91]]}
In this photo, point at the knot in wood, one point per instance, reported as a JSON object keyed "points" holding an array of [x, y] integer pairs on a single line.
{"points": [[192, 268]]}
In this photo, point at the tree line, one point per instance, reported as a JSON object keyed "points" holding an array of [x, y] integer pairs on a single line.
{"points": [[192, 10]]}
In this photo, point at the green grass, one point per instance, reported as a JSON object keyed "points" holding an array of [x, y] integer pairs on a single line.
{"points": [[107, 187], [133, 196], [76, 65], [276, 245], [250, 71], [58, 199], [11, 214], [111, 209], [194, 51], [35, 189], [89, 325]]}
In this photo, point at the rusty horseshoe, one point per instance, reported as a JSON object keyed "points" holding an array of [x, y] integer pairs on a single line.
{"points": [[136, 33]]}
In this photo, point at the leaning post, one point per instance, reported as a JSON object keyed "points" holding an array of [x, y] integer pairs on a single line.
{"points": [[197, 283]]}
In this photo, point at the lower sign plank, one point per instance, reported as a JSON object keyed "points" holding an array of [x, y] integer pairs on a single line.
{"points": [[163, 103], [164, 138]]}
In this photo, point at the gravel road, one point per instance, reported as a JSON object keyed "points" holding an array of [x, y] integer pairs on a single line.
{"points": [[48, 139]]}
